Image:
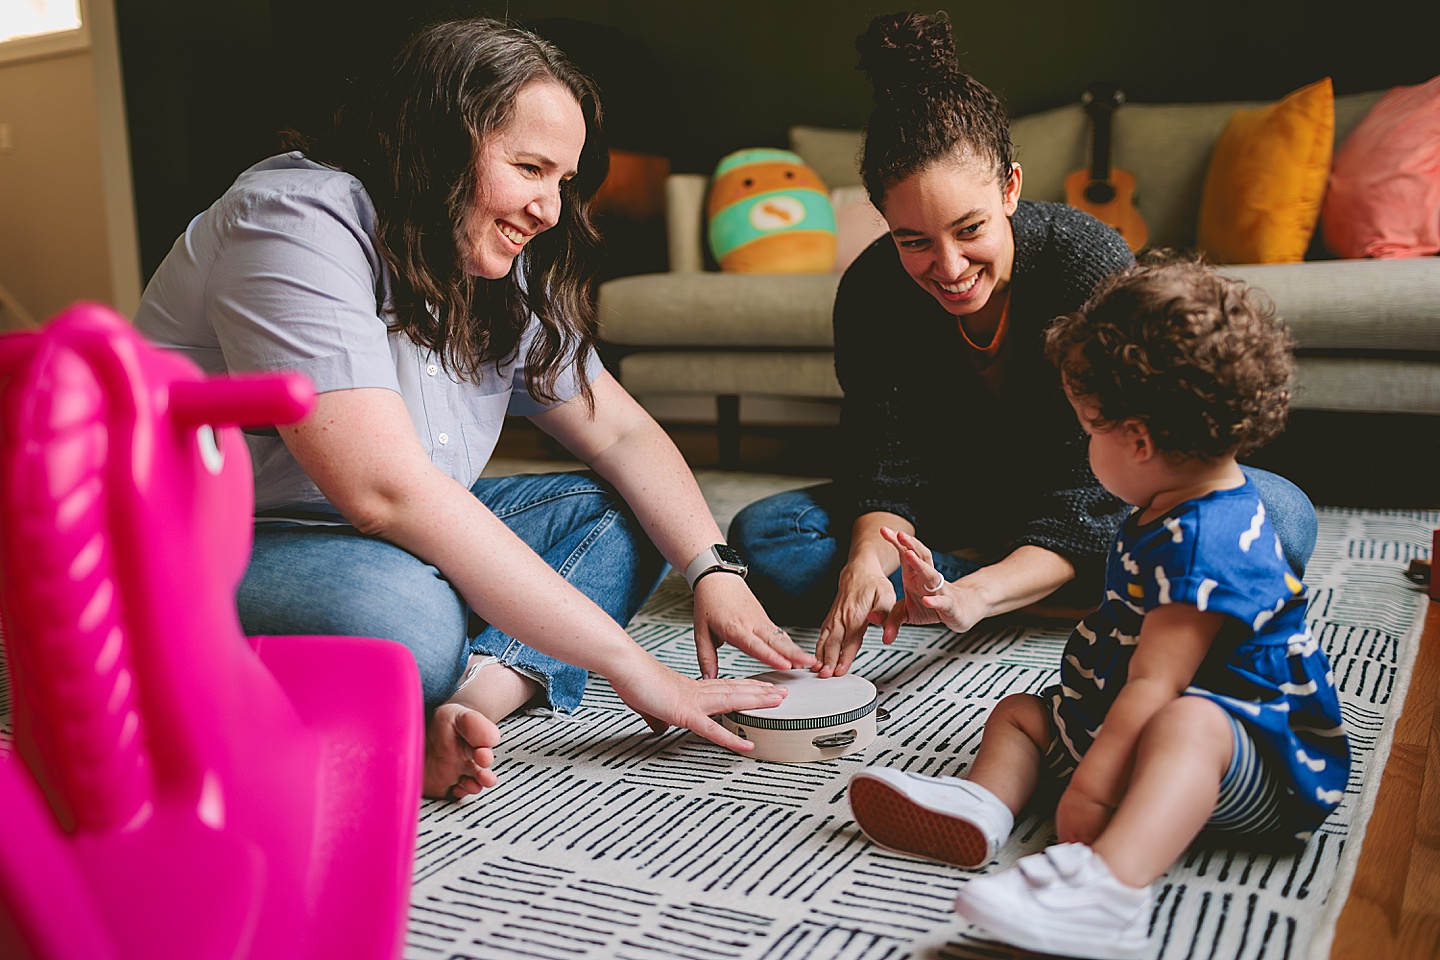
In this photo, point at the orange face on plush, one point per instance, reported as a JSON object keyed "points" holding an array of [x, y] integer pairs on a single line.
{"points": [[756, 178], [769, 213]]}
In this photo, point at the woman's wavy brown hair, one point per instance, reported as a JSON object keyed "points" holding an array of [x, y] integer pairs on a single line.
{"points": [[414, 143], [926, 108], [1199, 357]]}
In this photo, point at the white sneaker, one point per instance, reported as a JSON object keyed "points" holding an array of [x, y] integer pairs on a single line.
{"points": [[939, 818], [1063, 900]]}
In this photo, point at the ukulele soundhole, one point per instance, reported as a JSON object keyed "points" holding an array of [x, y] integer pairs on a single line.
{"points": [[1099, 192]]}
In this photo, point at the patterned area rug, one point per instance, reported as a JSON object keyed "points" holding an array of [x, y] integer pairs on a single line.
{"points": [[604, 841]]}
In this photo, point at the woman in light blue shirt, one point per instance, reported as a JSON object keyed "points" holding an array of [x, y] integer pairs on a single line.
{"points": [[429, 264]]}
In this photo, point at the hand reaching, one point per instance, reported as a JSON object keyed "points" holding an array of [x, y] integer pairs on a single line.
{"points": [[727, 612], [929, 597], [865, 596], [665, 698]]}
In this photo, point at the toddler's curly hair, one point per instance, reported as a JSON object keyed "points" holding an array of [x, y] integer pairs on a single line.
{"points": [[1199, 357]]}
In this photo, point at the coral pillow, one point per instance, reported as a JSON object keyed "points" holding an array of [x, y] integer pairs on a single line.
{"points": [[1384, 196], [1267, 178]]}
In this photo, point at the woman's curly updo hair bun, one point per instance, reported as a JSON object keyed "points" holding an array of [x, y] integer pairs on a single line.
{"points": [[908, 54], [926, 108]]}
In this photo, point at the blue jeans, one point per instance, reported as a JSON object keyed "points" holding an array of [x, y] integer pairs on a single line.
{"points": [[796, 558], [336, 580]]}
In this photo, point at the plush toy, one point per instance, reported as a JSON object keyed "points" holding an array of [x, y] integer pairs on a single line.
{"points": [[770, 213]]}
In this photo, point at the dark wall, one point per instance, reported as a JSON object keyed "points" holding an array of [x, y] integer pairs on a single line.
{"points": [[208, 84]]}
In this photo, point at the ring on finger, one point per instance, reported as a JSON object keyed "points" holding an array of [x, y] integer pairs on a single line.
{"points": [[939, 586]]}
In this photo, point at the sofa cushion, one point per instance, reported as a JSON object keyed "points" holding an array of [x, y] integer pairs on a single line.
{"points": [[1367, 385], [1370, 306], [1384, 193], [718, 310], [832, 153], [791, 373], [1267, 178]]}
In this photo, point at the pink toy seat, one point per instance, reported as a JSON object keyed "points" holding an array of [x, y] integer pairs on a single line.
{"points": [[176, 789]]}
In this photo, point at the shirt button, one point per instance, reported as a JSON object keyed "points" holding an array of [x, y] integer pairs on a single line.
{"points": [[443, 438], [432, 369]]}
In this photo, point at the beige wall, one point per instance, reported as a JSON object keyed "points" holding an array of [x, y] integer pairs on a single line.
{"points": [[67, 229]]}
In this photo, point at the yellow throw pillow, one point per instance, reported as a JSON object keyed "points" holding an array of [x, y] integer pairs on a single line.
{"points": [[1267, 178]]}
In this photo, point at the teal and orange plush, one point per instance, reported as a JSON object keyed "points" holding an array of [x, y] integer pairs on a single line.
{"points": [[769, 213]]}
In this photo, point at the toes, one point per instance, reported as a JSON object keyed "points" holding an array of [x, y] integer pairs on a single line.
{"points": [[459, 753], [462, 788], [477, 730]]}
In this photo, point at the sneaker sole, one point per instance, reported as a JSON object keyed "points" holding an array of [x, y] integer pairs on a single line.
{"points": [[894, 821]]}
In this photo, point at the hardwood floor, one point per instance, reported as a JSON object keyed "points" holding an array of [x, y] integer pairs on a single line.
{"points": [[1393, 911]]}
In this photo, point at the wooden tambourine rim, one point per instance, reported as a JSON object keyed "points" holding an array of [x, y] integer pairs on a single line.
{"points": [[804, 723], [815, 703]]}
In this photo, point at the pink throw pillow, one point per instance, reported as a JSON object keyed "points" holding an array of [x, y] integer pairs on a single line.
{"points": [[1384, 193], [857, 224]]}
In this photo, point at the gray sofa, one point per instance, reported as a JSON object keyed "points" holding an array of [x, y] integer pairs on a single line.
{"points": [[1368, 331]]}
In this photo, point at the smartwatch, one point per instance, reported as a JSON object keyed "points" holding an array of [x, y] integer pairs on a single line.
{"points": [[720, 558]]}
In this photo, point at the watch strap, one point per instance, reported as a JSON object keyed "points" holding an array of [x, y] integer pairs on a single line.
{"points": [[720, 558]]}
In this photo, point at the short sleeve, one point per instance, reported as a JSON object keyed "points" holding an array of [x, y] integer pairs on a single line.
{"points": [[523, 403], [293, 288], [1224, 561]]}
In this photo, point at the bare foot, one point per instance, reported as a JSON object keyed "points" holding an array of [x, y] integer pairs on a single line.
{"points": [[459, 752]]}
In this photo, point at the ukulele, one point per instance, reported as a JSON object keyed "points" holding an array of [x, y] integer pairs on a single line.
{"points": [[1103, 191]]}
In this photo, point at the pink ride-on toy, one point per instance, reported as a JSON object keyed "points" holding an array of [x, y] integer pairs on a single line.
{"points": [[177, 790]]}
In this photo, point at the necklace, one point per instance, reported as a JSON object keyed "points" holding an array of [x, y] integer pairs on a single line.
{"points": [[986, 355]]}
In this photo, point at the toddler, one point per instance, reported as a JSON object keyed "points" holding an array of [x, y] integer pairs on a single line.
{"points": [[1194, 697]]}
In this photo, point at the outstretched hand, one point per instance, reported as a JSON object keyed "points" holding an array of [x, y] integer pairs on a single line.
{"points": [[864, 597], [929, 597], [665, 698], [727, 612]]}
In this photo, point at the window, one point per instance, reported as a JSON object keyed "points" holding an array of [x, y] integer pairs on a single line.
{"points": [[31, 28]]}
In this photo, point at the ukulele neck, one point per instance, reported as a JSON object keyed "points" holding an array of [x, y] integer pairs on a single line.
{"points": [[1100, 114]]}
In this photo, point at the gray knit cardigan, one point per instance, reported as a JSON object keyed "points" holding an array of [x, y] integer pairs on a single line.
{"points": [[923, 437]]}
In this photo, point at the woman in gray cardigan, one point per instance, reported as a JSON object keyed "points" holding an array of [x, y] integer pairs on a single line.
{"points": [[953, 424]]}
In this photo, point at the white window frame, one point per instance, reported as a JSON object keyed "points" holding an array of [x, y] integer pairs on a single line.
{"points": [[49, 44]]}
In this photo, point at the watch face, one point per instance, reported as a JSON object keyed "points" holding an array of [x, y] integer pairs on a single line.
{"points": [[729, 554]]}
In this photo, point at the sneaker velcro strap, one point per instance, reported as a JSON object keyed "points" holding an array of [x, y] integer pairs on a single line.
{"points": [[1060, 863], [1037, 870], [1068, 859]]}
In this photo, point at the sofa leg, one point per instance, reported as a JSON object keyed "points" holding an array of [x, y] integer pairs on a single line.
{"points": [[727, 430]]}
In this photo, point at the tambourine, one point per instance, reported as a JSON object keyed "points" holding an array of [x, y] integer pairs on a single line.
{"points": [[819, 719]]}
